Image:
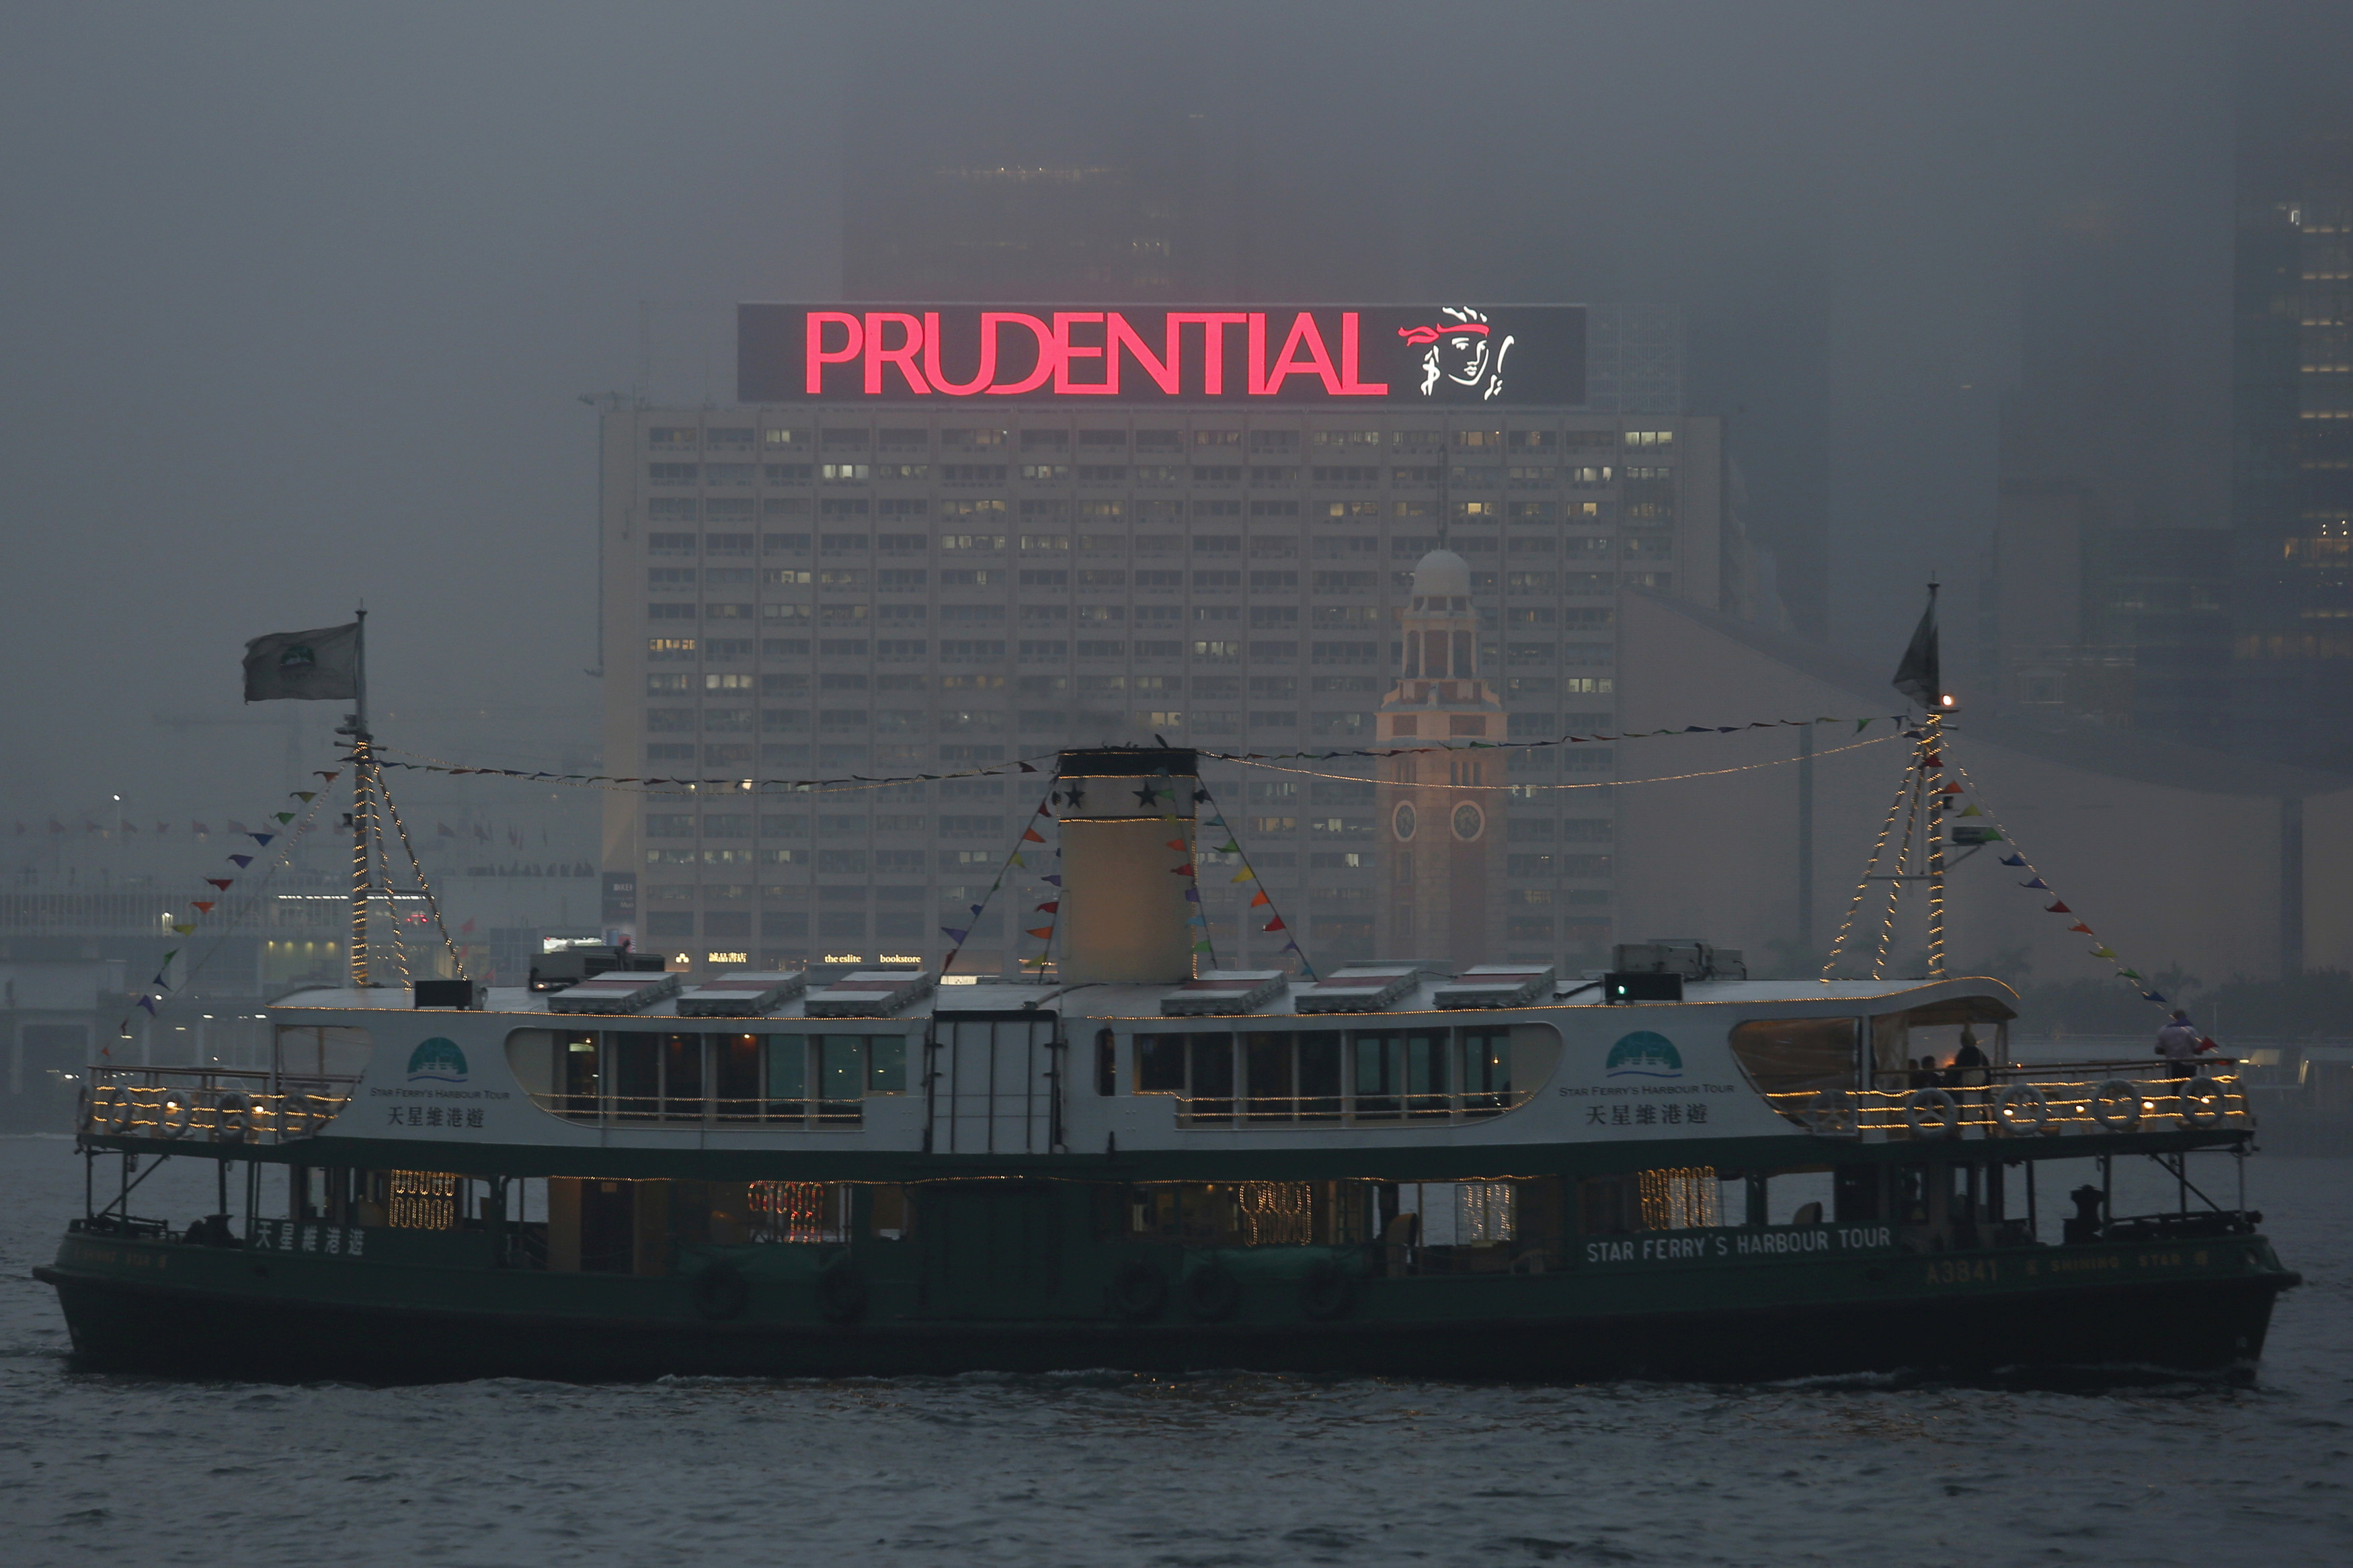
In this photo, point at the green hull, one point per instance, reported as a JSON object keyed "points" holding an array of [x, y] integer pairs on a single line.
{"points": [[174, 1308]]}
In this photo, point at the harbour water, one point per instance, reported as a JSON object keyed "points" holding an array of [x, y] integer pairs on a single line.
{"points": [[1103, 1471]]}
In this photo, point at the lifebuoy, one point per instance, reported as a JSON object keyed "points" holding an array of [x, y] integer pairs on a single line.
{"points": [[1327, 1290], [2201, 1102], [722, 1290], [841, 1292], [1139, 1292], [1212, 1293], [178, 1113], [111, 1108], [2022, 1108], [2115, 1105], [1833, 1114], [232, 1118], [1932, 1113]]}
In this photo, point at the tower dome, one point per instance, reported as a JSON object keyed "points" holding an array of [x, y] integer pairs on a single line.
{"points": [[1441, 581]]}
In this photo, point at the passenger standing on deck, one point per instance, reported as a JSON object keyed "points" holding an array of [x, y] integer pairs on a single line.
{"points": [[2177, 1043], [1970, 1062]]}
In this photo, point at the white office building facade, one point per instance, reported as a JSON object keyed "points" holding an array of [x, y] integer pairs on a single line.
{"points": [[821, 590]]}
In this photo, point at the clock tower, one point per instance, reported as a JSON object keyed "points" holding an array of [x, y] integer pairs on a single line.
{"points": [[1441, 833]]}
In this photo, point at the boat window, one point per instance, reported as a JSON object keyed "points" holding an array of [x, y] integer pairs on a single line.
{"points": [[1248, 1214], [327, 1052], [531, 1058], [715, 1079], [1287, 1076], [1106, 1062], [1682, 1197], [1794, 1061], [420, 1200], [797, 1211]]}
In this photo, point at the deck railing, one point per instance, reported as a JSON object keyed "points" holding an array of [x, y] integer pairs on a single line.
{"points": [[1344, 1110], [2037, 1100], [625, 1111], [211, 1104]]}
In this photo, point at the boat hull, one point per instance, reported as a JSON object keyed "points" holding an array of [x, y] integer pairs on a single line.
{"points": [[1971, 1313]]}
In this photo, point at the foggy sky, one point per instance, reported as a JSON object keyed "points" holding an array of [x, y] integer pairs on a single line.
{"points": [[297, 302]]}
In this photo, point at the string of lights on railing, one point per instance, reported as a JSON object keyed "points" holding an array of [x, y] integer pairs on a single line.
{"points": [[1044, 761]]}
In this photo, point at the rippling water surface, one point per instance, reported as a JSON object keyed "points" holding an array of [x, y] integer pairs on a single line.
{"points": [[1107, 1470]]}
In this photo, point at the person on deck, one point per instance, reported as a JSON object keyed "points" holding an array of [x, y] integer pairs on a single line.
{"points": [[1926, 1074], [1970, 1063], [2178, 1043]]}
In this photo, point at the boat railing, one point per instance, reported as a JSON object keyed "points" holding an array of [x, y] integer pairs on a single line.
{"points": [[211, 1104], [701, 1111], [1345, 1109], [2038, 1099]]}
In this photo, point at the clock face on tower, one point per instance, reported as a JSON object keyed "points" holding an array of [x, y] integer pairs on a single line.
{"points": [[1469, 822], [1402, 820]]}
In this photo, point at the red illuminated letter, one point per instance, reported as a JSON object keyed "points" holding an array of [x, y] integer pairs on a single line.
{"points": [[991, 320], [818, 357], [1318, 362], [1118, 335], [904, 356], [940, 383], [1213, 343], [1349, 385], [1258, 353], [1065, 352]]}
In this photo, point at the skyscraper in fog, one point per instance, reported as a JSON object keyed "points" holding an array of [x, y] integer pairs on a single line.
{"points": [[928, 586], [2292, 469]]}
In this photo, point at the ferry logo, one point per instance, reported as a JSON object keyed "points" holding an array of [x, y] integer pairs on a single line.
{"points": [[437, 1060], [1644, 1054], [299, 659], [1463, 348]]}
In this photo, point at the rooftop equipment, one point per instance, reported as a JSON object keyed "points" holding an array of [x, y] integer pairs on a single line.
{"points": [[1497, 985], [870, 994], [628, 991], [740, 995], [1221, 991], [1366, 987], [1686, 956]]}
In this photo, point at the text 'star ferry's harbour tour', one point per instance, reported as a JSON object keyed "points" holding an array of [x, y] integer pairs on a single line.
{"points": [[1393, 1168]]}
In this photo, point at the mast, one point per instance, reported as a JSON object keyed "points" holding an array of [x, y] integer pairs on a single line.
{"points": [[362, 817]]}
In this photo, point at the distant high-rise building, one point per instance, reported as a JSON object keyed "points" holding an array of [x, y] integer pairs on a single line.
{"points": [[928, 587], [2292, 469]]}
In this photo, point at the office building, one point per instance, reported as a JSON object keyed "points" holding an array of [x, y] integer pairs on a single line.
{"points": [[845, 586], [2291, 471]]}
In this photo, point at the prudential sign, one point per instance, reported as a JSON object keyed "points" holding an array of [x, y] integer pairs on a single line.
{"points": [[1391, 355]]}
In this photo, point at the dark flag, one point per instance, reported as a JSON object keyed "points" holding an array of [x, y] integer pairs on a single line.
{"points": [[303, 665], [1919, 677]]}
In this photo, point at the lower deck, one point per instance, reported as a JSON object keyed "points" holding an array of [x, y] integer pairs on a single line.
{"points": [[1678, 1272]]}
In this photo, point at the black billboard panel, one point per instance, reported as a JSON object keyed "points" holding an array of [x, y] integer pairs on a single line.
{"points": [[1389, 355]]}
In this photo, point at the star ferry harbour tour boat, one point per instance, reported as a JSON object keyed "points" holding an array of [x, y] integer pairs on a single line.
{"points": [[1393, 1168]]}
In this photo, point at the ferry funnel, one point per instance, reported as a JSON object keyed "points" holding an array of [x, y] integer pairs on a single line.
{"points": [[1124, 905]]}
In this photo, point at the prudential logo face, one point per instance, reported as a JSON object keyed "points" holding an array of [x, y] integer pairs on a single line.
{"points": [[1644, 1054], [437, 1060]]}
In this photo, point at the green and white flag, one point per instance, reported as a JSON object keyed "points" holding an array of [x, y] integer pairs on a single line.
{"points": [[321, 664]]}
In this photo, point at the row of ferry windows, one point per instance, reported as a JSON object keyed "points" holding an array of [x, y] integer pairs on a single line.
{"points": [[822, 1079], [742, 439], [1640, 505]]}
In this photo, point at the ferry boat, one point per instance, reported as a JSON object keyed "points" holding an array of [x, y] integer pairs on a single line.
{"points": [[1394, 1168]]}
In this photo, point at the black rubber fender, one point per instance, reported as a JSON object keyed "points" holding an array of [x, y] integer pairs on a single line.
{"points": [[841, 1292], [722, 1290], [1212, 1293], [1139, 1292], [1327, 1290]]}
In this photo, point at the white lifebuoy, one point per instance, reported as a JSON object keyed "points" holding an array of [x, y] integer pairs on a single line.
{"points": [[110, 1108], [1932, 1113], [2201, 1102], [2115, 1105], [2020, 1107], [1833, 1114], [178, 1113], [232, 1118]]}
